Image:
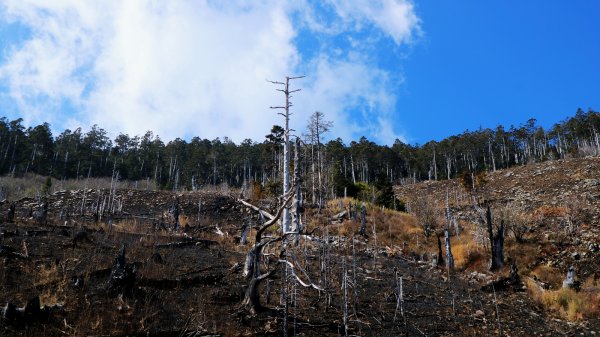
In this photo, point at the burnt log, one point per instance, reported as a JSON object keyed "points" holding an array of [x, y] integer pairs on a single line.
{"points": [[511, 282], [9, 252], [28, 315]]}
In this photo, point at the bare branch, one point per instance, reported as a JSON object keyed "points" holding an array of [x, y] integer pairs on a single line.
{"points": [[256, 208], [304, 284]]}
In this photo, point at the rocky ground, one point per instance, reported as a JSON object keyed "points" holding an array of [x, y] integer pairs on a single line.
{"points": [[188, 282], [560, 198]]}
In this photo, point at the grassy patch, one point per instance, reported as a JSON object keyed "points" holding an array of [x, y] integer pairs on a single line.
{"points": [[568, 303]]}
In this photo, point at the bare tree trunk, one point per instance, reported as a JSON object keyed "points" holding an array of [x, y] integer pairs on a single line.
{"points": [[286, 139], [496, 242]]}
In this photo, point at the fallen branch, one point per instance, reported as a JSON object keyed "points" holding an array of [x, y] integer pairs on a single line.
{"points": [[186, 243], [167, 284], [339, 216]]}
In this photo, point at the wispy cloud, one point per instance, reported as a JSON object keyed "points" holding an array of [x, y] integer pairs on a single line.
{"points": [[187, 68]]}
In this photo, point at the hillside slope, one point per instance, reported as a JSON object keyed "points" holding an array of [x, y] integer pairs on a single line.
{"points": [[556, 205]]}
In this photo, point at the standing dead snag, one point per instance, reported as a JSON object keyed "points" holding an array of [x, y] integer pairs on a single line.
{"points": [[449, 256], [440, 255], [297, 201], [496, 242], [286, 142], [363, 219]]}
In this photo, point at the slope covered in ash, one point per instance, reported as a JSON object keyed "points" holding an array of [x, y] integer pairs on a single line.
{"points": [[189, 281]]}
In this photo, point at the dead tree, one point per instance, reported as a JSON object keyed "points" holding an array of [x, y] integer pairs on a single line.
{"points": [[440, 254], [297, 206], [449, 257], [316, 128], [286, 140], [175, 211], [363, 220], [252, 264], [251, 269], [496, 242]]}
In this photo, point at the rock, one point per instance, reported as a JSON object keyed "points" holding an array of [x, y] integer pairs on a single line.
{"points": [[478, 314]]}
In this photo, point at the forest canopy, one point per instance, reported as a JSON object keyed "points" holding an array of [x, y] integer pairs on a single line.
{"points": [[187, 165]]}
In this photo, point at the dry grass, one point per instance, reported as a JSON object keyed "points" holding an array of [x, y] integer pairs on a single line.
{"points": [[550, 212], [549, 275], [568, 303], [52, 275], [33, 186], [392, 228]]}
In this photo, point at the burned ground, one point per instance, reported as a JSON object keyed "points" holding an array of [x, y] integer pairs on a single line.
{"points": [[189, 282]]}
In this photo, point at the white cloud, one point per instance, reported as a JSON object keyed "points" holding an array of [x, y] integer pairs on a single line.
{"points": [[187, 68], [338, 88], [395, 18]]}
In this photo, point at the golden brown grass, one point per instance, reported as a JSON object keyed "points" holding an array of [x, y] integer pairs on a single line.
{"points": [[569, 303], [550, 212], [32, 185], [52, 280], [392, 228]]}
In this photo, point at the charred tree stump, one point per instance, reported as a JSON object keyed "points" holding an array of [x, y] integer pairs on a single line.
{"points": [[513, 278], [449, 256], [40, 216], [28, 315], [440, 255], [363, 220], [122, 275], [244, 235], [496, 242], [569, 282], [252, 297], [10, 216], [176, 214]]}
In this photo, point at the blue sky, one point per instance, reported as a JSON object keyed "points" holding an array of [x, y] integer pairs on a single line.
{"points": [[385, 69], [484, 63]]}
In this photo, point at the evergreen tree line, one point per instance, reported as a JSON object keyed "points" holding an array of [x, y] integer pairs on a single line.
{"points": [[359, 167]]}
